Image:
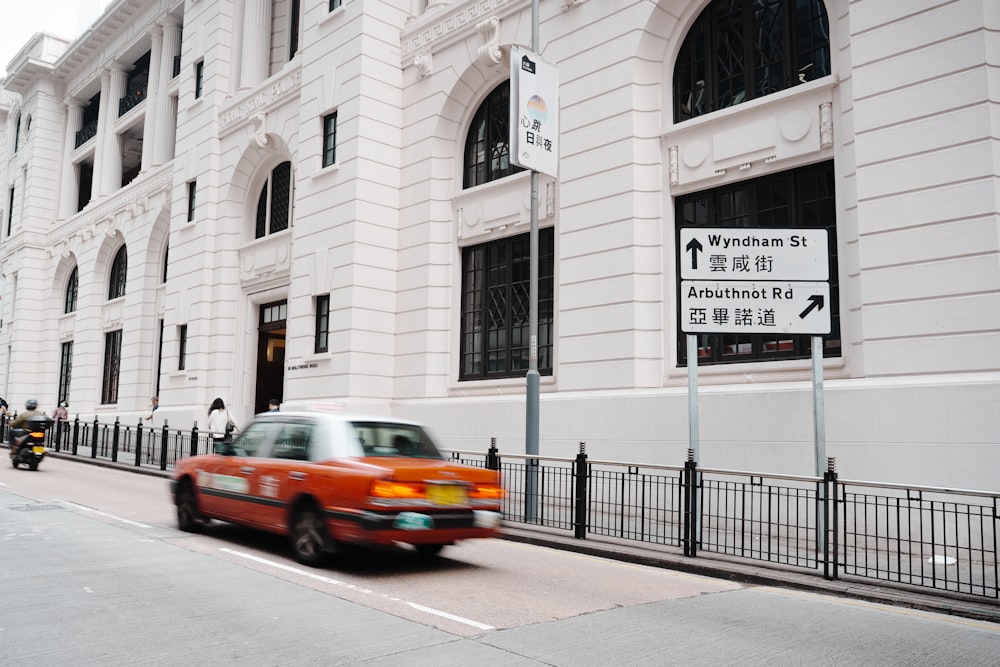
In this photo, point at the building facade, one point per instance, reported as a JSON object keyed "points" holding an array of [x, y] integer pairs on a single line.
{"points": [[314, 200]]}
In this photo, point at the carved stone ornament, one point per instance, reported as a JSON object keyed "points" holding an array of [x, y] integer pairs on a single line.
{"points": [[423, 63], [490, 53], [260, 132], [826, 125]]}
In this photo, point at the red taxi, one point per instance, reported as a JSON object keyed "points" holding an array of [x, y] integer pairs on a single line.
{"points": [[331, 479]]}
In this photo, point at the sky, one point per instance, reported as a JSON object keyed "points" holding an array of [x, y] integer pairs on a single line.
{"points": [[23, 18]]}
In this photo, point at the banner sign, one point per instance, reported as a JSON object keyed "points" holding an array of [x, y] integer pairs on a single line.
{"points": [[534, 109]]}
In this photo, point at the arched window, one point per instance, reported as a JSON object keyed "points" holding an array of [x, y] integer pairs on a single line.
{"points": [[274, 206], [72, 286], [739, 50], [116, 284], [487, 148]]}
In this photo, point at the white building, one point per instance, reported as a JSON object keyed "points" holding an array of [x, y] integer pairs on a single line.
{"points": [[312, 199]]}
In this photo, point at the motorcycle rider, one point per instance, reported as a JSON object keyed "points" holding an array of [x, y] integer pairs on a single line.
{"points": [[21, 421]]}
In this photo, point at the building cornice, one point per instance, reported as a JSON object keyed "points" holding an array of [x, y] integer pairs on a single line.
{"points": [[436, 30]]}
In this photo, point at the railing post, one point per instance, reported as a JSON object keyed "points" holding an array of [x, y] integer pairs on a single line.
{"points": [[57, 434], [114, 441], [93, 439], [163, 446], [580, 475], [832, 493], [492, 459], [138, 443], [689, 486], [194, 439], [76, 434]]}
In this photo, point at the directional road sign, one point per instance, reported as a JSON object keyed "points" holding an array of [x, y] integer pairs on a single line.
{"points": [[757, 253], [761, 307]]}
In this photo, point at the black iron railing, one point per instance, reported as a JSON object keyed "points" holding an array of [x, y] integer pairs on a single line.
{"points": [[926, 537], [86, 133], [131, 100], [139, 445]]}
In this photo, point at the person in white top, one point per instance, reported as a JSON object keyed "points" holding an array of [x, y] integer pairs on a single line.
{"points": [[219, 419]]}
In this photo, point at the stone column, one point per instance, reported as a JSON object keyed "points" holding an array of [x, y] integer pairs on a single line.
{"points": [[256, 61], [69, 192], [111, 162], [236, 46], [103, 123], [166, 124], [153, 94]]}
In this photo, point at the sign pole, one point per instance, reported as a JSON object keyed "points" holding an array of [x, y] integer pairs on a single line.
{"points": [[819, 428], [819, 416], [533, 379], [692, 364]]}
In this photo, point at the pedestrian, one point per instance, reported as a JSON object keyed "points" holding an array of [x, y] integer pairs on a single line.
{"points": [[3, 408], [220, 422], [154, 403], [61, 413], [273, 405]]}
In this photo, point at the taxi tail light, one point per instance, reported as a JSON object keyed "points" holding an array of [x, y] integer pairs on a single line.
{"points": [[383, 488], [487, 492]]}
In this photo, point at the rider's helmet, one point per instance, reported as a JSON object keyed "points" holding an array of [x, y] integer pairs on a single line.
{"points": [[30, 404]]}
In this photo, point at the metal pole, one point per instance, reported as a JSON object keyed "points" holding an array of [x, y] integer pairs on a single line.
{"points": [[531, 407], [819, 416], [692, 364], [819, 430]]}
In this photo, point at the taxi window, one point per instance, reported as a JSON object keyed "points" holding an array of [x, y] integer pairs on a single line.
{"points": [[251, 440], [389, 439], [292, 442]]}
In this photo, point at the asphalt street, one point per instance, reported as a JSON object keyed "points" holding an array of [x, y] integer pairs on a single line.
{"points": [[107, 579]]}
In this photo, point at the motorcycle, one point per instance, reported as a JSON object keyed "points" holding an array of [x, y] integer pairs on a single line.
{"points": [[30, 442]]}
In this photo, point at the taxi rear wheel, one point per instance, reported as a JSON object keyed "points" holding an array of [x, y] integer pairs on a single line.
{"points": [[428, 550], [310, 541], [188, 518]]}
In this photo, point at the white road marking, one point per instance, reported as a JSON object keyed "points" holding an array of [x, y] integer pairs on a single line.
{"points": [[366, 591], [444, 614], [106, 515]]}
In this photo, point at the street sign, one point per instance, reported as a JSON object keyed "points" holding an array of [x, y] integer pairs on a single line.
{"points": [[758, 253], [764, 307]]}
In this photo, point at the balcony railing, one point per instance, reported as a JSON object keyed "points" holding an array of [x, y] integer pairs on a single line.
{"points": [[86, 133], [131, 100]]}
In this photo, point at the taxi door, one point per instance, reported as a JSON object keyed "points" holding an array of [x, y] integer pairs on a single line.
{"points": [[229, 482], [287, 473]]}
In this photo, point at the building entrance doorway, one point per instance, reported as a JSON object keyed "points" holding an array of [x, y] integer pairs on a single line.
{"points": [[270, 354]]}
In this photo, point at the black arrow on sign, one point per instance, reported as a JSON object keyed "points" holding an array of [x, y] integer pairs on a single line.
{"points": [[817, 302], [694, 245]]}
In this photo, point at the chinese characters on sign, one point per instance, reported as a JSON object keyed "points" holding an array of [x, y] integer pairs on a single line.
{"points": [[782, 279], [534, 108]]}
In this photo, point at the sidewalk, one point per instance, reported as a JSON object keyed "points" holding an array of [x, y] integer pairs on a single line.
{"points": [[710, 565]]}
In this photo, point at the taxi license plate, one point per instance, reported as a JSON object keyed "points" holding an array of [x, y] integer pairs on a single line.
{"points": [[38, 449], [446, 494]]}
